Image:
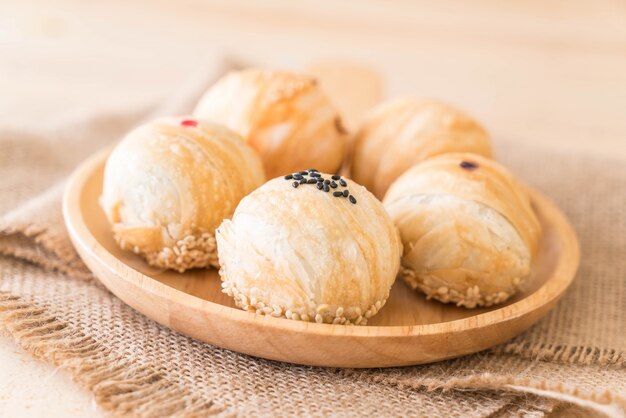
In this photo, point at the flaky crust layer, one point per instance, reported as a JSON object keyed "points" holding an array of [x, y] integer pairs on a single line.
{"points": [[402, 132], [285, 117], [305, 254], [168, 184], [468, 229]]}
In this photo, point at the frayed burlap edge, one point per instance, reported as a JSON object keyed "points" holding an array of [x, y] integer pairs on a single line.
{"points": [[561, 353], [118, 385], [37, 245], [605, 402]]}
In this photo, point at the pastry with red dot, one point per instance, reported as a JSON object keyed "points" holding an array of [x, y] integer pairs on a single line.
{"points": [[169, 183]]}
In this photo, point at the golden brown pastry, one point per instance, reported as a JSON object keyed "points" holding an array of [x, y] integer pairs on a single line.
{"points": [[310, 247], [401, 132], [468, 229], [169, 183], [285, 117]]}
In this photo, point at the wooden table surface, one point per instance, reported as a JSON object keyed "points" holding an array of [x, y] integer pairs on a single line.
{"points": [[548, 72]]}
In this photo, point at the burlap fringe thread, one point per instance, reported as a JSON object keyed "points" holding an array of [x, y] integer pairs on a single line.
{"points": [[118, 386], [564, 353], [37, 245]]}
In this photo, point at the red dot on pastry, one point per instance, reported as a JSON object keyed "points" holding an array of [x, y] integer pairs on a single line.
{"points": [[468, 165], [189, 122]]}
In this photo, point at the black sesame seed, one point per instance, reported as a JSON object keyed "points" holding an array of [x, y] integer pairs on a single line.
{"points": [[337, 194], [288, 176], [320, 180], [304, 173], [352, 199], [295, 184], [326, 188], [312, 170], [333, 184], [335, 177], [303, 181], [315, 174], [346, 193], [326, 181], [320, 186], [343, 182], [297, 176], [311, 181]]}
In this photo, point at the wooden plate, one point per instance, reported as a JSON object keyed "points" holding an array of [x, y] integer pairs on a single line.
{"points": [[408, 330]]}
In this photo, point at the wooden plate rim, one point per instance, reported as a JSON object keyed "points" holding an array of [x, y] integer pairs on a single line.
{"points": [[551, 290]]}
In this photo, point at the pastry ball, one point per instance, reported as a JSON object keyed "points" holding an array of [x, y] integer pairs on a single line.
{"points": [[399, 133], [468, 229], [285, 117], [169, 183], [310, 247]]}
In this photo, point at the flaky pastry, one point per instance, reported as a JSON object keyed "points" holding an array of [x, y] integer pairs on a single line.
{"points": [[285, 117], [169, 183], [310, 247], [468, 229], [402, 132]]}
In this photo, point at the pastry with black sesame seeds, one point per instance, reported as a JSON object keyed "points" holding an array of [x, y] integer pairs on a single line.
{"points": [[469, 231], [308, 255]]}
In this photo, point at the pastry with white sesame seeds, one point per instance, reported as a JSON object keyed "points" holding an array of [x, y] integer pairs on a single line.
{"points": [[169, 183], [310, 246], [285, 117], [402, 132], [468, 229]]}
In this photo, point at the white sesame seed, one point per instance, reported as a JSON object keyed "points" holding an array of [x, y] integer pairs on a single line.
{"points": [[319, 314], [323, 308]]}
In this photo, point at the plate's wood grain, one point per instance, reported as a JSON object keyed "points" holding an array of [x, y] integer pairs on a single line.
{"points": [[408, 330]]}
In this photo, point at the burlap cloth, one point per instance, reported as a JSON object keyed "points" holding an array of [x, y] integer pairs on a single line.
{"points": [[571, 363]]}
